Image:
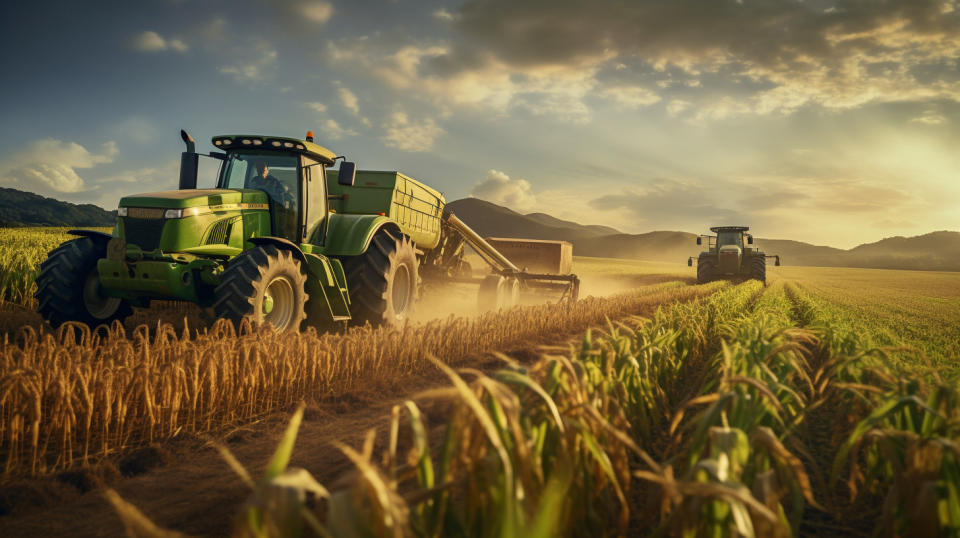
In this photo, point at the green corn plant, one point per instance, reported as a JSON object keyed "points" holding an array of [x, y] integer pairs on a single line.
{"points": [[908, 448]]}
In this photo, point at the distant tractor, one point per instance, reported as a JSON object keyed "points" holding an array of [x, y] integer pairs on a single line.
{"points": [[728, 257], [282, 239]]}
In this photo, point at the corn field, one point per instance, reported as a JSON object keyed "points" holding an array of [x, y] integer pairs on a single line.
{"points": [[749, 412], [816, 405], [21, 251]]}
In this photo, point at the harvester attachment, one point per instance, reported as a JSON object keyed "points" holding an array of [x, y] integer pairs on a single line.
{"points": [[503, 287]]}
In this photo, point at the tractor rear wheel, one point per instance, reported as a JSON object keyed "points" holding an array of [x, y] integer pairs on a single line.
{"points": [[498, 292], [384, 281], [706, 270], [266, 285], [68, 286], [758, 269]]}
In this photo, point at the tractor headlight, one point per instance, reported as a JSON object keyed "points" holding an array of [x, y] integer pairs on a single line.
{"points": [[121, 212], [173, 213]]}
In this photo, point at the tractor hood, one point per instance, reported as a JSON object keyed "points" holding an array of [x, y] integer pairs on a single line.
{"points": [[195, 198]]}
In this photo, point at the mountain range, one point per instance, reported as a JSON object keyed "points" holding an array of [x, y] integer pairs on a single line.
{"points": [[936, 251]]}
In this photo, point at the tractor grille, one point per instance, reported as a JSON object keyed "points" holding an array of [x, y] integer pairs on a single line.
{"points": [[145, 233], [220, 232]]}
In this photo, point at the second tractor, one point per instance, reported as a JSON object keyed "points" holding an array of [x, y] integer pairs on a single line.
{"points": [[729, 256]]}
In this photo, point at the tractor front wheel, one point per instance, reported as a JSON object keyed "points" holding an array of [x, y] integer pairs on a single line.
{"points": [[68, 286], [758, 269], [266, 285], [706, 270], [384, 281]]}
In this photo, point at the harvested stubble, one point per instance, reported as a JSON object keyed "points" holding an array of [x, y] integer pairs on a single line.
{"points": [[76, 395]]}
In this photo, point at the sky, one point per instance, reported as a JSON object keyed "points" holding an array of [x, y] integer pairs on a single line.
{"points": [[830, 122]]}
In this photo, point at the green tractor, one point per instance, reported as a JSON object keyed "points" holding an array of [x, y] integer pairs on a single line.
{"points": [[280, 240], [729, 256]]}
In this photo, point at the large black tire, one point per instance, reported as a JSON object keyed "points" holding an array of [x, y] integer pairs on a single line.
{"points": [[758, 269], [266, 285], [68, 286], [384, 281], [706, 270]]}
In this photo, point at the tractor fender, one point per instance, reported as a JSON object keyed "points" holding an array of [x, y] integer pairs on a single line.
{"points": [[350, 235], [281, 243], [97, 237]]}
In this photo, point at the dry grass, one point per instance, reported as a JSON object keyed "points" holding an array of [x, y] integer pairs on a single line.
{"points": [[69, 397]]}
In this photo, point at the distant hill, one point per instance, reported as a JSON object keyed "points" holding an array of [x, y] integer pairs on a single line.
{"points": [[502, 222], [937, 251], [19, 208]]}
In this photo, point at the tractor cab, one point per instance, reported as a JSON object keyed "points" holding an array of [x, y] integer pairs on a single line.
{"points": [[731, 236], [290, 171]]}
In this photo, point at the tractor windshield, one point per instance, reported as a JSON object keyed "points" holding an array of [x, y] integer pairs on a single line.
{"points": [[276, 175], [264, 171], [730, 238]]}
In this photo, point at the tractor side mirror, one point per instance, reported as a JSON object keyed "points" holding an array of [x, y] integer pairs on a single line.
{"points": [[189, 163], [749, 239], [689, 262], [699, 240], [347, 173]]}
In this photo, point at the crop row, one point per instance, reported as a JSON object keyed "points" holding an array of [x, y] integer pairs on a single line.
{"points": [[741, 414], [76, 396]]}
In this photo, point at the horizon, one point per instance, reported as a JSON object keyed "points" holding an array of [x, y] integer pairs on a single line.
{"points": [[824, 122], [620, 231]]}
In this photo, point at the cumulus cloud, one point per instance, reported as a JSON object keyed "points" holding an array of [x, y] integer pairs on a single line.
{"points": [[317, 107], [424, 69], [318, 11], [334, 131], [256, 67], [500, 189], [150, 41], [410, 135], [50, 165], [349, 99]]}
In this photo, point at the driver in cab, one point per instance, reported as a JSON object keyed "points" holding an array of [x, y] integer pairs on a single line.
{"points": [[277, 191]]}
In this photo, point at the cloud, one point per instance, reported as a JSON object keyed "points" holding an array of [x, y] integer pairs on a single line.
{"points": [[634, 97], [424, 70], [738, 58], [150, 41], [50, 165], [930, 117], [443, 15], [409, 135], [317, 11], [500, 189], [256, 70], [333, 131], [316, 107], [670, 203], [349, 99]]}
